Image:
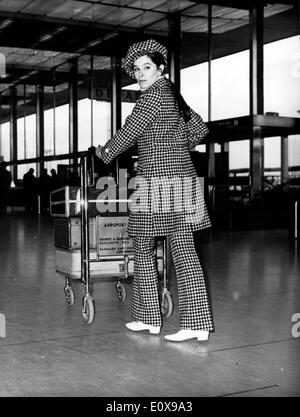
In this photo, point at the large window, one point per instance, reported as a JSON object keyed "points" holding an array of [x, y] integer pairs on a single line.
{"points": [[30, 125], [5, 141], [49, 100], [94, 101], [272, 152], [294, 150], [228, 75], [239, 154], [194, 88], [49, 132], [26, 122], [282, 76], [230, 86], [62, 117], [230, 95], [101, 122], [62, 129], [21, 138], [84, 124]]}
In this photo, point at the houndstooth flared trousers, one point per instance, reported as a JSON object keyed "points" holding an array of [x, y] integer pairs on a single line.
{"points": [[194, 306]]}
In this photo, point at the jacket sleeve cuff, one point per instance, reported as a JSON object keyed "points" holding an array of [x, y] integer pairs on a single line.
{"points": [[104, 153]]}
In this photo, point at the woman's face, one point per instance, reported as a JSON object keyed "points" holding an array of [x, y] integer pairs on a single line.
{"points": [[146, 72]]}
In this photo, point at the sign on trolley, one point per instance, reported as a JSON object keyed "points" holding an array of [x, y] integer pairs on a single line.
{"points": [[113, 237]]}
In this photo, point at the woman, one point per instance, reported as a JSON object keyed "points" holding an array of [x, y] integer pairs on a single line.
{"points": [[165, 130]]}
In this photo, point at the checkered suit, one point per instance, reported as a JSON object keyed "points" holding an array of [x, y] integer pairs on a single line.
{"points": [[164, 142]]}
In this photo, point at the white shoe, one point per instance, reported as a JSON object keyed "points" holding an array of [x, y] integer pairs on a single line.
{"points": [[186, 334], [137, 326]]}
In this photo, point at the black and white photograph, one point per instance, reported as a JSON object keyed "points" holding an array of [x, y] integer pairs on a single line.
{"points": [[149, 201]]}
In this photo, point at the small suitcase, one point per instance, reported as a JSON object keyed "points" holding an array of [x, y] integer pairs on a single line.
{"points": [[68, 264], [65, 202], [67, 232]]}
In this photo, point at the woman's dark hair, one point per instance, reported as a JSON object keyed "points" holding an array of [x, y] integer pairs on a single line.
{"points": [[157, 58], [184, 109]]}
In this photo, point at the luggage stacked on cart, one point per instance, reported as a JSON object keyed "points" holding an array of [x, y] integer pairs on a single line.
{"points": [[93, 244], [108, 239]]}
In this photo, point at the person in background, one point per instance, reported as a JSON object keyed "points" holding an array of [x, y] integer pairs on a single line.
{"points": [[44, 188], [30, 191], [55, 182], [165, 129]]}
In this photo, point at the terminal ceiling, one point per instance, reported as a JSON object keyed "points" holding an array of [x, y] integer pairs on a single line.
{"points": [[38, 36]]}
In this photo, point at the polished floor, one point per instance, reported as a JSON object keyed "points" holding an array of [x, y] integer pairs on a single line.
{"points": [[254, 279]]}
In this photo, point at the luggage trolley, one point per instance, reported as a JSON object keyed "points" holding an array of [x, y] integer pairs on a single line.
{"points": [[87, 180]]}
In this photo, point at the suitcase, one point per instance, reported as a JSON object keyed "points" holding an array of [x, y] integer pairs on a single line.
{"points": [[67, 232], [68, 264], [110, 231], [65, 202]]}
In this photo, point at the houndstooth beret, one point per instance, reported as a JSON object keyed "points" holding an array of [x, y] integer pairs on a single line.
{"points": [[140, 49]]}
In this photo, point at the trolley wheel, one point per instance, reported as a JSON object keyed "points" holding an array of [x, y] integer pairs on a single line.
{"points": [[121, 292], [88, 309], [70, 296], [166, 304]]}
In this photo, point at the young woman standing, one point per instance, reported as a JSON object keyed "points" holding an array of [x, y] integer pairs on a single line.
{"points": [[165, 130]]}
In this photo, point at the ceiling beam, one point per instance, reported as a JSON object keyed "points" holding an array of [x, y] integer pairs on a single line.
{"points": [[68, 22], [244, 4]]}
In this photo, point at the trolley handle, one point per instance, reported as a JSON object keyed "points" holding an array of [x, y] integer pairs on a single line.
{"points": [[89, 156], [91, 171]]}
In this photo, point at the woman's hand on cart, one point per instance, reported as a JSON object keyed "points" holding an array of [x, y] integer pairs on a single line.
{"points": [[97, 151], [101, 151]]}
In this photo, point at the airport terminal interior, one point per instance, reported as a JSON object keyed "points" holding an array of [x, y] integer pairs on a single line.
{"points": [[63, 90]]}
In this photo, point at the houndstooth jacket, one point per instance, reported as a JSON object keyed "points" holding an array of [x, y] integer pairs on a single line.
{"points": [[167, 193]]}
